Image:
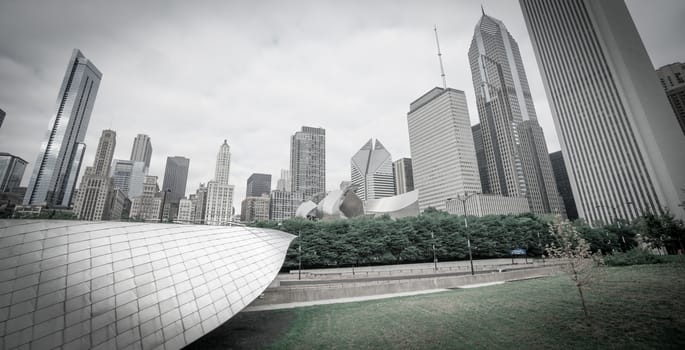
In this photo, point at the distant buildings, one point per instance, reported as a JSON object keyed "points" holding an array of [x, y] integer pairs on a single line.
{"points": [[283, 204], [220, 193], [308, 161], [186, 210], [284, 184], [258, 184], [92, 200], [372, 173], [118, 205], [255, 208], [2, 117], [622, 147], [142, 150], [441, 143], [563, 184], [128, 175], [58, 163], [672, 78], [513, 143], [403, 175], [11, 171], [199, 204], [147, 207], [174, 184]]}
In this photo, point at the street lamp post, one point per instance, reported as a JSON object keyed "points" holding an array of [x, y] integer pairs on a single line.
{"points": [[299, 255], [435, 258], [466, 226], [541, 248], [161, 212]]}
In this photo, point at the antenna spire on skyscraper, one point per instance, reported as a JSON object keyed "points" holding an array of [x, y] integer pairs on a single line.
{"points": [[482, 10], [442, 70]]}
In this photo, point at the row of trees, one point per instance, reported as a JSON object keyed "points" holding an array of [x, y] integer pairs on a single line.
{"points": [[370, 241]]}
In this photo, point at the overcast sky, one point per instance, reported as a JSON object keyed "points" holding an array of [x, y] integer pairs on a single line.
{"points": [[191, 74]]}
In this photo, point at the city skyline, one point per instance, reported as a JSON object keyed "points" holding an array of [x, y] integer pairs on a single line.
{"points": [[356, 98]]}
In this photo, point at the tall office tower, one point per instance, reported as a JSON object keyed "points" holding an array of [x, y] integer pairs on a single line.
{"points": [[441, 144], [372, 172], [255, 208], [142, 150], [403, 174], [480, 157], [283, 184], [148, 205], [563, 184], [308, 161], [622, 147], [199, 204], [11, 171], [175, 179], [129, 176], [672, 78], [92, 199], [219, 192], [284, 204], [258, 184], [513, 142], [58, 163], [2, 117]]}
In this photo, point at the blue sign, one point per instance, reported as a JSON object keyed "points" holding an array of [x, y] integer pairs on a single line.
{"points": [[517, 251]]}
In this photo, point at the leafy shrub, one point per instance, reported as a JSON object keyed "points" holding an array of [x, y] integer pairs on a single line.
{"points": [[634, 256]]}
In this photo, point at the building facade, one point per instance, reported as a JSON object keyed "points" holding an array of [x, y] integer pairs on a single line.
{"points": [[148, 206], [118, 206], [488, 204], [142, 150], [175, 179], [563, 184], [308, 161], [284, 184], [622, 146], [57, 166], [199, 204], [672, 79], [442, 152], [129, 176], [2, 117], [258, 184], [283, 204], [186, 210], [513, 143], [372, 172], [219, 192], [480, 157], [403, 175], [255, 209], [92, 200], [11, 171]]}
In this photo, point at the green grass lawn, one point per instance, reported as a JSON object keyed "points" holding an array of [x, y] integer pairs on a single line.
{"points": [[631, 307]]}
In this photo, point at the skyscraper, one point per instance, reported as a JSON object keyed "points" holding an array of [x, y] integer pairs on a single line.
{"points": [[58, 163], [175, 179], [255, 208], [308, 161], [622, 147], [441, 144], [258, 184], [563, 184], [11, 171], [199, 204], [148, 205], [129, 176], [92, 199], [404, 175], [220, 192], [142, 150], [284, 204], [372, 172], [672, 78], [2, 117], [283, 184], [513, 142]]}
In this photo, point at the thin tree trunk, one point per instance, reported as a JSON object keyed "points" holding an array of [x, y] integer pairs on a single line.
{"points": [[580, 292]]}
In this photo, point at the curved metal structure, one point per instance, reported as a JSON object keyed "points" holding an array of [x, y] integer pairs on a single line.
{"points": [[402, 205], [76, 284]]}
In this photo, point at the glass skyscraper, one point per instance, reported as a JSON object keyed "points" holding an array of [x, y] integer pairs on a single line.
{"points": [[57, 166], [516, 158], [372, 172], [308, 161]]}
